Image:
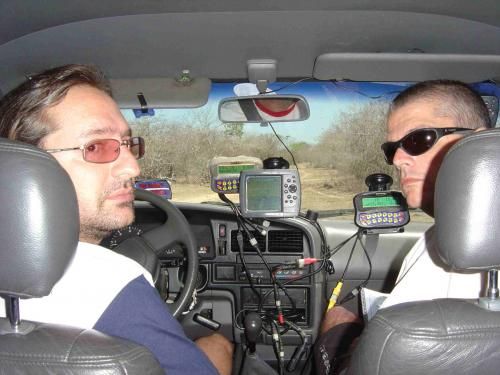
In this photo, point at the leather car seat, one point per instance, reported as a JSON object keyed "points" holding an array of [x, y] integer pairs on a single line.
{"points": [[449, 336], [39, 228]]}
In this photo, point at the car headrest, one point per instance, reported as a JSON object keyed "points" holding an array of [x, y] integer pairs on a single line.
{"points": [[467, 203], [39, 221]]}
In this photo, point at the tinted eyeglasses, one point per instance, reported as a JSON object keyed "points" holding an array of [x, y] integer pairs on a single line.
{"points": [[107, 150], [418, 141]]}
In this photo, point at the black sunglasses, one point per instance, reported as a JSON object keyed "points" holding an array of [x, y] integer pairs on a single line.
{"points": [[418, 141]]}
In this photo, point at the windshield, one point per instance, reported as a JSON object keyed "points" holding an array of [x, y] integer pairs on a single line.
{"points": [[334, 150]]}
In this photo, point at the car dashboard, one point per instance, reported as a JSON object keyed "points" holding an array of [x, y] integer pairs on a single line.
{"points": [[224, 293]]}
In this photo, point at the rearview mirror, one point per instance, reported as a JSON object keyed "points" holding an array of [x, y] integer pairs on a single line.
{"points": [[264, 108]]}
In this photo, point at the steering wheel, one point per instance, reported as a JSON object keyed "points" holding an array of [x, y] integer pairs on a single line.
{"points": [[175, 230]]}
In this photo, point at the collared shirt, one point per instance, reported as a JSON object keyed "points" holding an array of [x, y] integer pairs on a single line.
{"points": [[113, 294], [423, 276]]}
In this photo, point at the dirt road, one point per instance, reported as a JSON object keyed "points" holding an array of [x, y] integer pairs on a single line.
{"points": [[318, 191]]}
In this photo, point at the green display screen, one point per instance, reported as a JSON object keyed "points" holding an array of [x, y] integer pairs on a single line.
{"points": [[375, 202], [234, 168], [264, 193]]}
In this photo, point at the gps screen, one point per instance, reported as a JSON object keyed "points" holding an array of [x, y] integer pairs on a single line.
{"points": [[234, 169], [375, 202], [264, 193]]}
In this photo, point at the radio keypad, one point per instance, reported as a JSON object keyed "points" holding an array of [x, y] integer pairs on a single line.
{"points": [[388, 218], [227, 185]]}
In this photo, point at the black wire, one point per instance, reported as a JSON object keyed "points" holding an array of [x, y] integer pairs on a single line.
{"points": [[242, 364], [351, 294], [288, 85], [241, 247], [365, 282], [350, 257], [279, 347], [336, 249], [241, 224], [384, 95], [324, 248], [308, 359], [312, 273], [286, 147], [295, 328], [272, 278], [292, 302], [247, 273]]}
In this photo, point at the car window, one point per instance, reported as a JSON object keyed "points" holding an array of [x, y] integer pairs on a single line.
{"points": [[335, 149]]}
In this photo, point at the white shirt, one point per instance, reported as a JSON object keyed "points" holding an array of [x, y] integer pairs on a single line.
{"points": [[424, 277], [93, 279]]}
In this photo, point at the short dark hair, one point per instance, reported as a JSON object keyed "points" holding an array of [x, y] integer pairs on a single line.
{"points": [[454, 99], [23, 110]]}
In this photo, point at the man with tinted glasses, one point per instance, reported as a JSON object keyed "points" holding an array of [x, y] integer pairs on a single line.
{"points": [[423, 122], [69, 112]]}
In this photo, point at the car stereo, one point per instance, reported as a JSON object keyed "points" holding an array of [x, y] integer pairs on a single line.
{"points": [[268, 193]]}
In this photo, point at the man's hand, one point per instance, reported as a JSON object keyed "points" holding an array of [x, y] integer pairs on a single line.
{"points": [[336, 316], [219, 350]]}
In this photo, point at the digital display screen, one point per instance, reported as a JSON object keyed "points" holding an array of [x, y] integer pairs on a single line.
{"points": [[264, 193], [234, 168], [375, 202]]}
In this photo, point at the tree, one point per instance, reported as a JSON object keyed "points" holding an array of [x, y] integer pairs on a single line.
{"points": [[352, 144], [234, 129]]}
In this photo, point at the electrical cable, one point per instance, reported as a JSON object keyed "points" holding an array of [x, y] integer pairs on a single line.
{"points": [[300, 350], [308, 359], [286, 147], [365, 282], [350, 256], [239, 237], [340, 283], [242, 222], [336, 83], [243, 358], [288, 85], [271, 274], [245, 268], [356, 290], [279, 347], [336, 249]]}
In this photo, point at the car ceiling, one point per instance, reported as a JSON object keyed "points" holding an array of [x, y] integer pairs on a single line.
{"points": [[214, 39]]}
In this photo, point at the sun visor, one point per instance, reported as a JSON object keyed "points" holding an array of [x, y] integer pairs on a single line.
{"points": [[159, 93], [405, 67]]}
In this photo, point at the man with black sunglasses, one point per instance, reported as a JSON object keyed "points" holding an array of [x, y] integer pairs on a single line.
{"points": [[69, 112], [423, 122]]}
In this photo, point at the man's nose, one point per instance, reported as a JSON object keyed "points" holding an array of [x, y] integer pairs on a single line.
{"points": [[401, 158], [126, 165]]}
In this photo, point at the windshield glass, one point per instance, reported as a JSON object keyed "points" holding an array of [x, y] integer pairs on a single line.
{"points": [[334, 150]]}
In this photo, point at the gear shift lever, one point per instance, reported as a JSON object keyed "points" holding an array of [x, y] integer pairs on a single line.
{"points": [[253, 325]]}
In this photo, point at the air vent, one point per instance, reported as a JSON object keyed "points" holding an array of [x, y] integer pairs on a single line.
{"points": [[246, 244], [285, 241]]}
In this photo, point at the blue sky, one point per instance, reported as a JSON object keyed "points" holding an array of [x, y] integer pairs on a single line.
{"points": [[327, 100]]}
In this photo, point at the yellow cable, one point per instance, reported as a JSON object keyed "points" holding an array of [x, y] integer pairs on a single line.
{"points": [[335, 295]]}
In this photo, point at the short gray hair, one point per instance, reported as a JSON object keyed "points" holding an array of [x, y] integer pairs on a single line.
{"points": [[454, 99]]}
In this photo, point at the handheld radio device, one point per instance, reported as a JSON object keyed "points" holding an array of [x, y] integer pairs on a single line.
{"points": [[270, 193], [380, 210], [225, 172]]}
